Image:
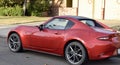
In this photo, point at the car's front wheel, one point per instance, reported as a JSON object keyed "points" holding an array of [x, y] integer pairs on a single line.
{"points": [[14, 42], [75, 53]]}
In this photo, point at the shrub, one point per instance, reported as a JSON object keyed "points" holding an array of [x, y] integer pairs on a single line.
{"points": [[11, 11], [14, 7], [2, 11], [16, 11]]}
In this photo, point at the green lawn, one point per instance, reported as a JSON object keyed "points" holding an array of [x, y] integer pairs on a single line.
{"points": [[8, 20]]}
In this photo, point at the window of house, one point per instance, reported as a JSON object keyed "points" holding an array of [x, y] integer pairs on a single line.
{"points": [[69, 3]]}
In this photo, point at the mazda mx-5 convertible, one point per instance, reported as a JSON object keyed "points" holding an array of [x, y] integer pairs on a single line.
{"points": [[76, 38]]}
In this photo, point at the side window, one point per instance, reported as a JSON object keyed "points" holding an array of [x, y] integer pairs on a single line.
{"points": [[91, 23], [88, 22], [57, 23], [69, 25]]}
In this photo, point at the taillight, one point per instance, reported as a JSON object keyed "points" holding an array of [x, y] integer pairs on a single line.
{"points": [[107, 38], [104, 38]]}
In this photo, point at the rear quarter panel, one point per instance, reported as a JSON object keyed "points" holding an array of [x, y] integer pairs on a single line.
{"points": [[79, 35]]}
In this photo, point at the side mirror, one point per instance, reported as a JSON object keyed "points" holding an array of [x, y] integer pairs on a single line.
{"points": [[41, 27]]}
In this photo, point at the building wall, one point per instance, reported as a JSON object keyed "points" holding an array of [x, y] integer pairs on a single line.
{"points": [[85, 8], [68, 7], [75, 3], [95, 9], [98, 9], [112, 10], [67, 11], [91, 8]]}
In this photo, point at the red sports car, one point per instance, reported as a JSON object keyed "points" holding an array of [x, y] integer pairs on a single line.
{"points": [[76, 38]]}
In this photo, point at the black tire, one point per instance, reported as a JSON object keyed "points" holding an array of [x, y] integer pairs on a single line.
{"points": [[75, 53], [14, 43]]}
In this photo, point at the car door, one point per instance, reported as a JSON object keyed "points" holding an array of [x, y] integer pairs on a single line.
{"points": [[51, 36]]}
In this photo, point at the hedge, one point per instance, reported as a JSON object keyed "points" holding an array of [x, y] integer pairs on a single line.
{"points": [[11, 11]]}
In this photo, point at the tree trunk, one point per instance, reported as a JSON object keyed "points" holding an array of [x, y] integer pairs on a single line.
{"points": [[24, 7]]}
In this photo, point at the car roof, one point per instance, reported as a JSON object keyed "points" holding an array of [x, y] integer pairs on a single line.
{"points": [[75, 17]]}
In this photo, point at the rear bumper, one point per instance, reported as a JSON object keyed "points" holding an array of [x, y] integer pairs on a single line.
{"points": [[116, 42], [102, 50], [115, 52]]}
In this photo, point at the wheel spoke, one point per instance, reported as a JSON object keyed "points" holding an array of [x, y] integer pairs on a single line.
{"points": [[74, 59], [11, 39], [79, 55], [78, 50], [70, 57], [71, 49], [15, 46], [12, 45], [16, 42], [70, 52], [77, 58], [75, 48]]}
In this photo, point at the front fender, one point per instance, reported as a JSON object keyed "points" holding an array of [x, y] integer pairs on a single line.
{"points": [[24, 33]]}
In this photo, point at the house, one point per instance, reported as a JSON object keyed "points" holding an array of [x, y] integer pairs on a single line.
{"points": [[98, 9]]}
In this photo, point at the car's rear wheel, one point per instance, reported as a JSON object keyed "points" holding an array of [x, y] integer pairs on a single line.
{"points": [[14, 42], [75, 53]]}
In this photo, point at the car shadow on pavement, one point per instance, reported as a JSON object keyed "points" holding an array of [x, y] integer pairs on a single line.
{"points": [[111, 61], [46, 56]]}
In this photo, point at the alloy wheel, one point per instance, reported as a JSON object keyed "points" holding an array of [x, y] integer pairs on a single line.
{"points": [[14, 42], [75, 53]]}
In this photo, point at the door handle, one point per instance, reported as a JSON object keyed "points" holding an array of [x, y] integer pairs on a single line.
{"points": [[57, 33]]}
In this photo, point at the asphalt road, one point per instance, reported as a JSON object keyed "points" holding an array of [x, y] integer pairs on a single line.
{"points": [[34, 58]]}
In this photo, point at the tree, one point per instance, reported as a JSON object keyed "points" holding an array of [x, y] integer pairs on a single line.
{"points": [[36, 7], [10, 3], [57, 3], [24, 7]]}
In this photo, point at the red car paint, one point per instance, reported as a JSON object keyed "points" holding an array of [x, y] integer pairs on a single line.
{"points": [[54, 41]]}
